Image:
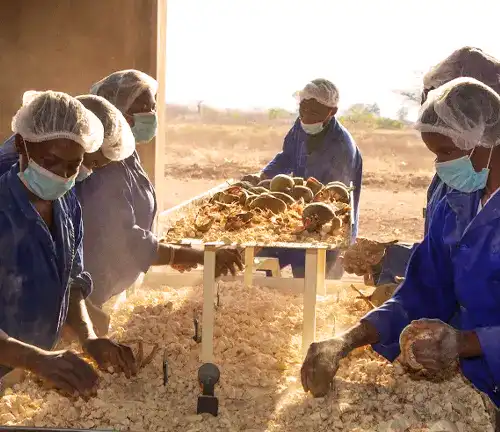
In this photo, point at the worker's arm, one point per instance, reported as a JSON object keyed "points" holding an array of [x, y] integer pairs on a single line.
{"points": [[283, 161], [17, 354], [227, 259], [78, 318], [485, 342], [63, 369], [80, 286]]}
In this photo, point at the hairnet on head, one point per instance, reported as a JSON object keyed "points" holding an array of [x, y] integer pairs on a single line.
{"points": [[322, 90], [123, 87], [465, 110], [119, 142], [50, 115], [465, 62]]}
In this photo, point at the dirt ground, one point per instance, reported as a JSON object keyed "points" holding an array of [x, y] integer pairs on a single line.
{"points": [[397, 169]]}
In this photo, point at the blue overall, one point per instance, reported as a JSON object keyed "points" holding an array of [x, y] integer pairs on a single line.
{"points": [[337, 158], [38, 265], [454, 272]]}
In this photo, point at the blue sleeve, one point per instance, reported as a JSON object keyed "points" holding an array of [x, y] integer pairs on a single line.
{"points": [[79, 277], [427, 292], [489, 339], [284, 160], [117, 223]]}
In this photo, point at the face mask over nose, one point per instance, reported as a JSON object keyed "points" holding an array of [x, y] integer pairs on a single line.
{"points": [[459, 174], [44, 183], [145, 125], [83, 173]]}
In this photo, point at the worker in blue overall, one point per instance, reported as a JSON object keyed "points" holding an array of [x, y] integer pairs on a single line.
{"points": [[43, 283], [456, 268], [318, 146], [464, 62]]}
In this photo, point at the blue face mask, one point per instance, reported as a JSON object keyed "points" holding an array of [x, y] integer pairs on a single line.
{"points": [[313, 128], [83, 173], [459, 174], [145, 125], [45, 184]]}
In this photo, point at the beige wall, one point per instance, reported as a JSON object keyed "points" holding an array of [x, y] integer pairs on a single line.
{"points": [[67, 45]]}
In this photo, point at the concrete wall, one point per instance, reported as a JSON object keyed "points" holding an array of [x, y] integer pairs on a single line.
{"points": [[67, 45]]}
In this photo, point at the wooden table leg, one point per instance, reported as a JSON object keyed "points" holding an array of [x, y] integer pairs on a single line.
{"points": [[207, 337]]}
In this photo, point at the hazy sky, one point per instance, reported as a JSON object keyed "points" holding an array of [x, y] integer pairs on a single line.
{"points": [[256, 53]]}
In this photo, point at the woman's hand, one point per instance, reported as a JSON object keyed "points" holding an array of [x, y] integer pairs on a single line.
{"points": [[321, 365], [107, 353], [65, 371], [227, 260], [430, 344]]}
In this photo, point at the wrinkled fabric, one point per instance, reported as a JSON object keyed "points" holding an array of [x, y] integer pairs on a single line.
{"points": [[332, 157], [38, 265], [119, 206], [453, 273], [397, 256]]}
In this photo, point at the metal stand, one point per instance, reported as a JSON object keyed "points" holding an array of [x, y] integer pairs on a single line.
{"points": [[314, 282]]}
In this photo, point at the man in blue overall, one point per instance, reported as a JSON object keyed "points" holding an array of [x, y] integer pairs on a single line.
{"points": [[455, 271], [318, 146], [464, 62], [43, 284]]}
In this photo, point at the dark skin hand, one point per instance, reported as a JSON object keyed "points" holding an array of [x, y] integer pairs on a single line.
{"points": [[105, 352], [64, 370], [227, 259], [323, 358]]}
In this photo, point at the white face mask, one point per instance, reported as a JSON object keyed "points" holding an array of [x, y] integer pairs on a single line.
{"points": [[313, 128]]}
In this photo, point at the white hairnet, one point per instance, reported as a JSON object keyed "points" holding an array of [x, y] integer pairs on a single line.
{"points": [[465, 110], [465, 62], [322, 90], [119, 142], [50, 115], [123, 87]]}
